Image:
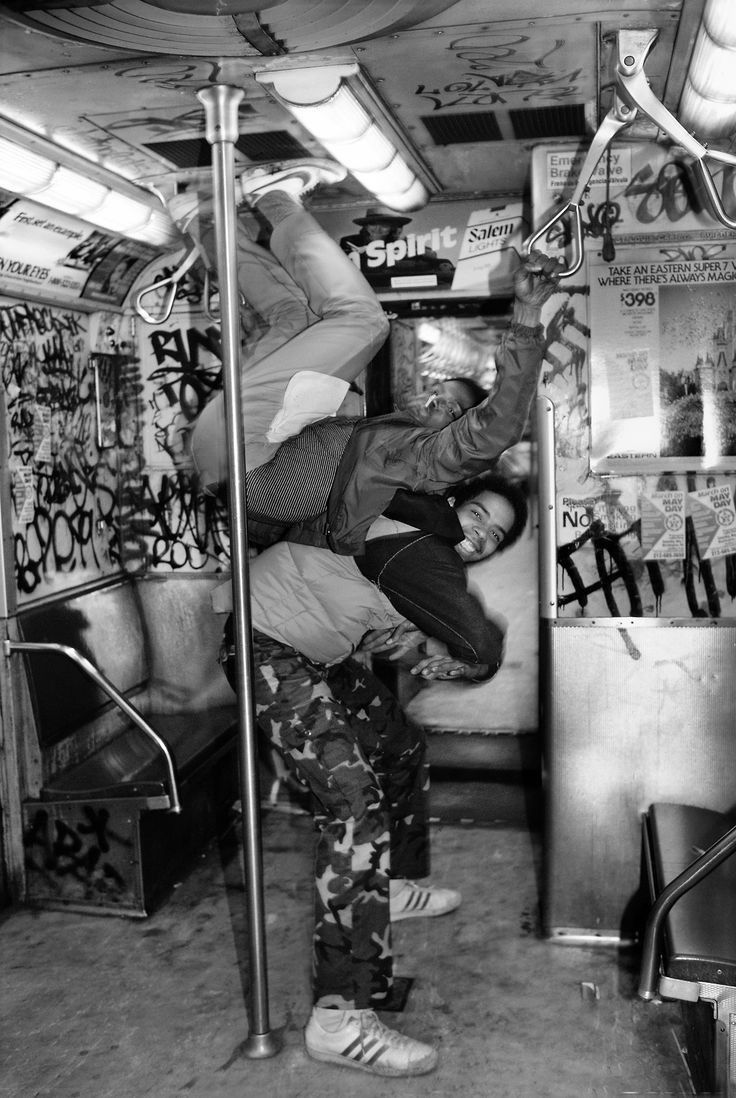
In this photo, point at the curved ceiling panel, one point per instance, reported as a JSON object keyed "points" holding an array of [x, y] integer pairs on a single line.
{"points": [[231, 29]]}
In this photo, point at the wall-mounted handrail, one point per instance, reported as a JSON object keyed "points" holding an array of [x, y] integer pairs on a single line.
{"points": [[632, 95], [122, 702], [172, 282], [208, 293]]}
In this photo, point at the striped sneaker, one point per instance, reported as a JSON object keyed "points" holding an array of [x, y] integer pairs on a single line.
{"points": [[413, 901], [359, 1039]]}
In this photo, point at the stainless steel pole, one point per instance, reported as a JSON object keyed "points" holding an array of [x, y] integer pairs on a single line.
{"points": [[545, 422], [221, 107]]}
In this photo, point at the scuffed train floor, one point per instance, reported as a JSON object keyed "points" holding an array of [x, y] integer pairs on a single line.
{"points": [[101, 1007]]}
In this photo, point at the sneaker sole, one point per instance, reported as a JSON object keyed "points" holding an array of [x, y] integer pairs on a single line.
{"points": [[422, 913], [261, 182], [421, 1067], [252, 180]]}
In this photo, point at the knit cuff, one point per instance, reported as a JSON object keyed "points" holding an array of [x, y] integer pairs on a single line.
{"points": [[535, 334]]}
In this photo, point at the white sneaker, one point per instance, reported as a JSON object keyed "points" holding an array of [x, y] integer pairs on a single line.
{"points": [[296, 177], [359, 1039], [412, 901]]}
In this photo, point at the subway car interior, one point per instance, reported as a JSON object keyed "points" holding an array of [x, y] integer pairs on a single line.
{"points": [[477, 176]]}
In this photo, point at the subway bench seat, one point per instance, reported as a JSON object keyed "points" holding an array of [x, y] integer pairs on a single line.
{"points": [[693, 954], [119, 815]]}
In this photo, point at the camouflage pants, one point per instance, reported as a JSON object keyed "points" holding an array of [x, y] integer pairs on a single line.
{"points": [[344, 735]]}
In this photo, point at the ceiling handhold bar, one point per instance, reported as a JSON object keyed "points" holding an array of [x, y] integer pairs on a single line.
{"points": [[632, 95], [619, 116], [172, 282]]}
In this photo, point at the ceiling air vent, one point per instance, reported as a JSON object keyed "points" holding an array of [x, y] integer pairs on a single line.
{"points": [[256, 147], [271, 145], [543, 122], [184, 154], [462, 129]]}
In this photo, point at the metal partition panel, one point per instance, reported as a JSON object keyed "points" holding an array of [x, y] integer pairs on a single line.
{"points": [[635, 711]]}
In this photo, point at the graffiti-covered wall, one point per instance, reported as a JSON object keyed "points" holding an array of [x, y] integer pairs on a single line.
{"points": [[170, 525], [640, 368], [176, 528], [97, 409], [64, 488]]}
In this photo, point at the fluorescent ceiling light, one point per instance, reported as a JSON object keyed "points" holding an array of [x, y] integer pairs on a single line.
{"points": [[34, 168], [336, 106], [412, 199], [158, 229], [23, 171], [120, 213], [396, 177], [708, 102], [70, 192]]}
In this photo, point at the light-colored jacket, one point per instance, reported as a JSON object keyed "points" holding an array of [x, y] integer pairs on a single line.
{"points": [[315, 601], [389, 452]]}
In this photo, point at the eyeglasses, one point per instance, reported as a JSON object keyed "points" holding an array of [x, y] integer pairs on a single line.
{"points": [[452, 407]]}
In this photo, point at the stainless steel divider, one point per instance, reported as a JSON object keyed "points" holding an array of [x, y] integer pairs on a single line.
{"points": [[92, 672]]}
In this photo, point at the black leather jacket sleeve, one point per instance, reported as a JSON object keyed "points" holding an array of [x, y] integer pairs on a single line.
{"points": [[424, 579]]}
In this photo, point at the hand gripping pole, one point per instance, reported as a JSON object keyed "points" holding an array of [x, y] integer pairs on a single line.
{"points": [[221, 114]]}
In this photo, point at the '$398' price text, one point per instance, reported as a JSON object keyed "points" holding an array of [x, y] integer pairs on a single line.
{"points": [[631, 299]]}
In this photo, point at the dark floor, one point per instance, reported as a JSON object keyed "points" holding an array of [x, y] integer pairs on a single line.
{"points": [[103, 1007]]}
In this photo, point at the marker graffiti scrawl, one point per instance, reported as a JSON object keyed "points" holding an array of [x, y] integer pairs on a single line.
{"points": [[63, 490]]}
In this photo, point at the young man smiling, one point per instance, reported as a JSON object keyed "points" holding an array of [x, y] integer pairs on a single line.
{"points": [[424, 575]]}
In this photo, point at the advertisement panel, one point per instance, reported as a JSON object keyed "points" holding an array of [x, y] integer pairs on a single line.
{"points": [[50, 255], [463, 249], [663, 347], [645, 513]]}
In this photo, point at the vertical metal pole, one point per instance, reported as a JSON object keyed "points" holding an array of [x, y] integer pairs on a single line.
{"points": [[545, 421], [221, 107]]}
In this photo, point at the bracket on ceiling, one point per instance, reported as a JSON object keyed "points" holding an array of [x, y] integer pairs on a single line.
{"points": [[259, 35]]}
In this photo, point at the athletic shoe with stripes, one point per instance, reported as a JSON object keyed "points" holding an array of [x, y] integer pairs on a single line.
{"points": [[413, 901], [359, 1039]]}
